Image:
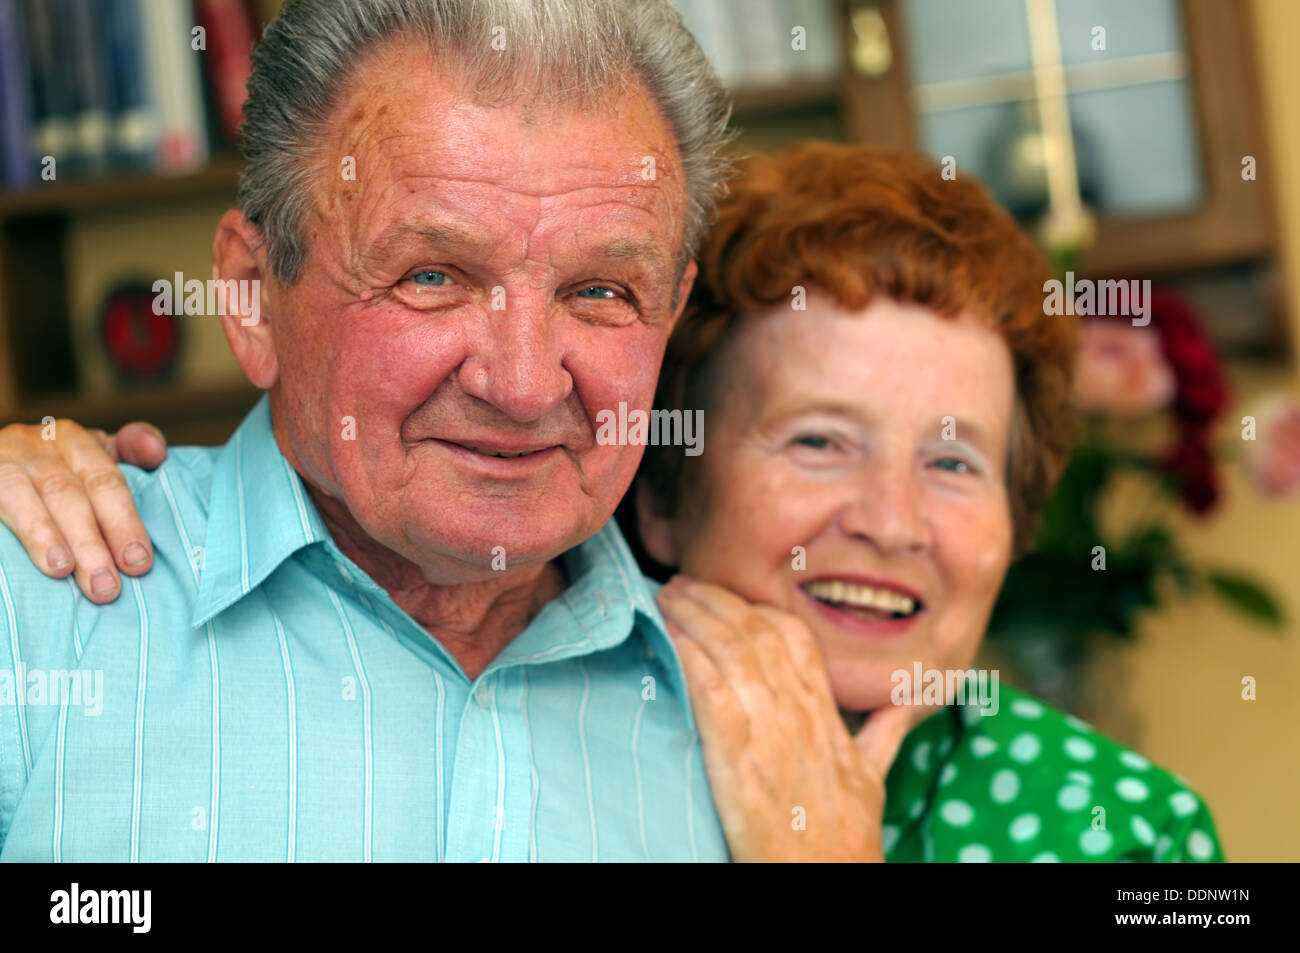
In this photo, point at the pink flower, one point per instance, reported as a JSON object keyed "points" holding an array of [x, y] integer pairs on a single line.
{"points": [[1273, 458], [1121, 370]]}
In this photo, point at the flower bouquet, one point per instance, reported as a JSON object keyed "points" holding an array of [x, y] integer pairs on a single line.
{"points": [[1148, 398]]}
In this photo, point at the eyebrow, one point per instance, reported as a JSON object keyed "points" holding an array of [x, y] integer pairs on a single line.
{"points": [[968, 431], [435, 236]]}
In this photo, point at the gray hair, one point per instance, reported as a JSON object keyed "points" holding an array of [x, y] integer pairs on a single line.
{"points": [[560, 50]]}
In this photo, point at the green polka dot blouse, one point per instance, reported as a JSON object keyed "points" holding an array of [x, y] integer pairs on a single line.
{"points": [[1029, 783]]}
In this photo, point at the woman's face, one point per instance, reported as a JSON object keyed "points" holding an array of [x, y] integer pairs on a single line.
{"points": [[855, 470]]}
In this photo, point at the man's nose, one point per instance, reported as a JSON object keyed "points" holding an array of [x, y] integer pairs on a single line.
{"points": [[887, 508], [517, 365]]}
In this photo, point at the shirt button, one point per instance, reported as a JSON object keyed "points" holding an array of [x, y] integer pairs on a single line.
{"points": [[345, 574], [483, 695]]}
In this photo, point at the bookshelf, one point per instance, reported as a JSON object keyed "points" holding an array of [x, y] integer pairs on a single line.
{"points": [[99, 213], [1226, 247]]}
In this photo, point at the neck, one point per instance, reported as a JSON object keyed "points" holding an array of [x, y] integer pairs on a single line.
{"points": [[474, 621]]}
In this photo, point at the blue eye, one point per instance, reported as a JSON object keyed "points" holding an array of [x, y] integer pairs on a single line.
{"points": [[958, 466], [605, 293], [429, 279]]}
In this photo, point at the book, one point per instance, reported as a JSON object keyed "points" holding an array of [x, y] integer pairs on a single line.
{"points": [[53, 140], [92, 84], [230, 32], [135, 117], [176, 83], [16, 167]]}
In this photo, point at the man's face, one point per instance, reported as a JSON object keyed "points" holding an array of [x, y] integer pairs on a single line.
{"points": [[486, 284]]}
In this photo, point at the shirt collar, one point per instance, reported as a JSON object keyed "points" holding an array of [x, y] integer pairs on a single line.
{"points": [[258, 516]]}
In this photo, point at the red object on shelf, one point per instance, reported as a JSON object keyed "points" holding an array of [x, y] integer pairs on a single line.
{"points": [[141, 344], [230, 32]]}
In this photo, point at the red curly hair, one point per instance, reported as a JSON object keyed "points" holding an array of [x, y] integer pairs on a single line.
{"points": [[859, 222]]}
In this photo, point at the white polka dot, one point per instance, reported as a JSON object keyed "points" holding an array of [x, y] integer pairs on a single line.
{"points": [[1082, 777], [947, 774], [1163, 843], [1077, 724], [1005, 786], [970, 714], [1131, 789], [917, 809], [889, 836], [1025, 747], [957, 813], [974, 854], [1025, 827], [921, 757], [1046, 857], [1080, 749], [1134, 760], [982, 746], [1199, 845], [1093, 843], [1183, 803], [1142, 830], [1026, 708], [1072, 797]]}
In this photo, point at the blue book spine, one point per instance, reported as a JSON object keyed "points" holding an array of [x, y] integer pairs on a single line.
{"points": [[92, 84], [135, 121], [53, 134], [16, 168]]}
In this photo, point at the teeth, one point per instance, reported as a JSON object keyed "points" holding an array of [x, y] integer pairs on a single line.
{"points": [[493, 453], [836, 590]]}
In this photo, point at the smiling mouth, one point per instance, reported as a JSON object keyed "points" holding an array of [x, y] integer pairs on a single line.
{"points": [[865, 602], [493, 453], [489, 452]]}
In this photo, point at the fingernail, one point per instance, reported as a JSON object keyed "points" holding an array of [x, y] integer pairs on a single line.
{"points": [[135, 554], [59, 557], [102, 583]]}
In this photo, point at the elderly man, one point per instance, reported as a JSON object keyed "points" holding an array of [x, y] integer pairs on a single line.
{"points": [[391, 618]]}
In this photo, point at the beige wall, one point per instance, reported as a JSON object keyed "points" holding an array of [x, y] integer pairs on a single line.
{"points": [[1183, 682]]}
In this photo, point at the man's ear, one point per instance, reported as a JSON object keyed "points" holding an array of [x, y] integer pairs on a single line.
{"points": [[684, 289], [654, 529], [239, 255]]}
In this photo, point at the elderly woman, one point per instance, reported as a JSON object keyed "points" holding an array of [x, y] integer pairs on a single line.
{"points": [[886, 405]]}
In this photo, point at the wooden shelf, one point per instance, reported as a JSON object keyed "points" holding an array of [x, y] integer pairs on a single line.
{"points": [[185, 414], [218, 177], [797, 94]]}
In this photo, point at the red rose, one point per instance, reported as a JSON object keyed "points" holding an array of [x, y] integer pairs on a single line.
{"points": [[1202, 393], [1192, 465]]}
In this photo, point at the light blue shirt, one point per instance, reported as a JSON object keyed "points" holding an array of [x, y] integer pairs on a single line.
{"points": [[256, 697]]}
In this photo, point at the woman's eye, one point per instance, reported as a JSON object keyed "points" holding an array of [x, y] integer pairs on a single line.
{"points": [[430, 279], [601, 292], [953, 465], [815, 441]]}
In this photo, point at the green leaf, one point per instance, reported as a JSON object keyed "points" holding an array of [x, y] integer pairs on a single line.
{"points": [[1247, 596]]}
